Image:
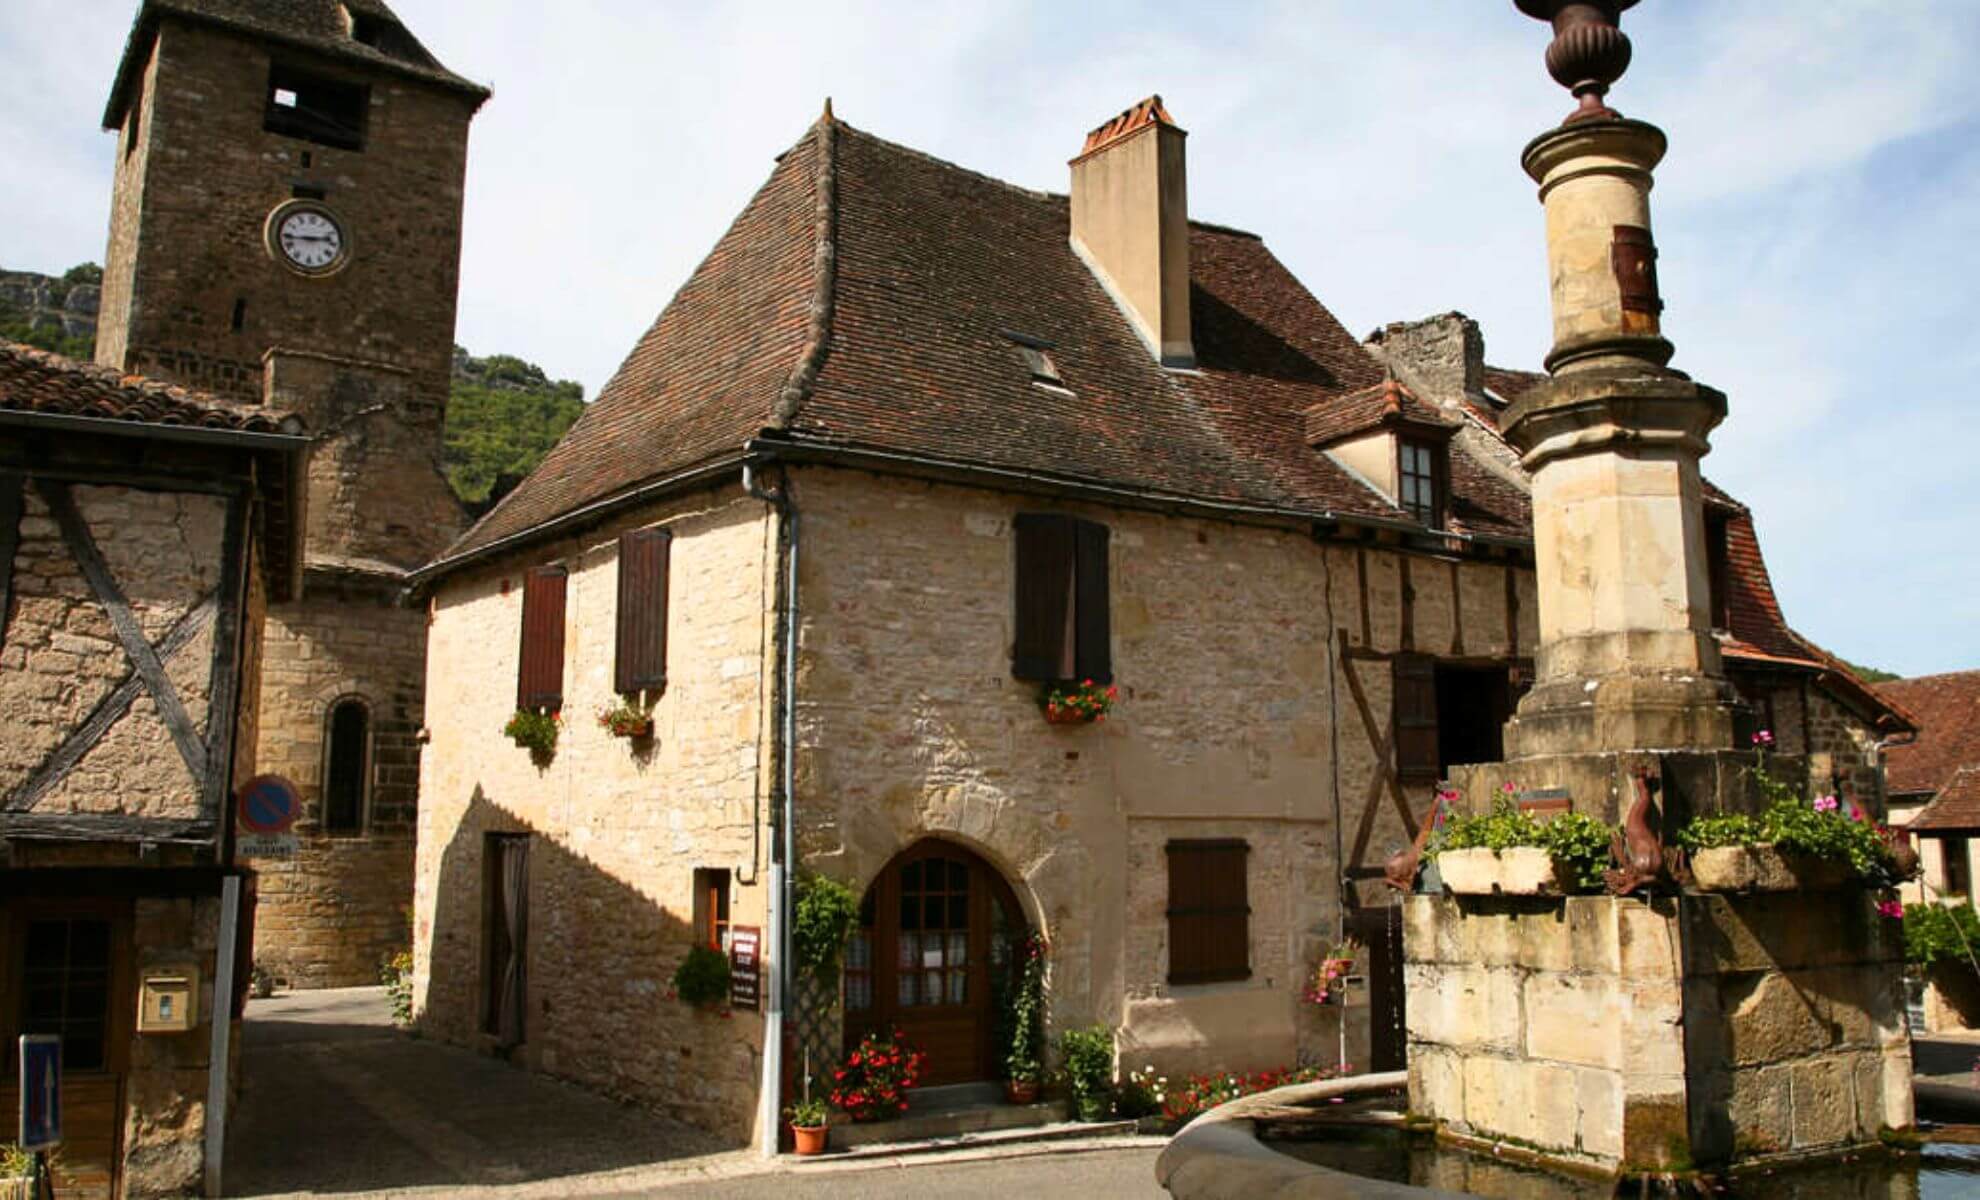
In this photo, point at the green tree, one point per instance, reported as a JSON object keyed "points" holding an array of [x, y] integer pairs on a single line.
{"points": [[503, 416]]}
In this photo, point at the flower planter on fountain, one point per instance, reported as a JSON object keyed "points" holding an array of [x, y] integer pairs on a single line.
{"points": [[1765, 868], [1515, 871]]}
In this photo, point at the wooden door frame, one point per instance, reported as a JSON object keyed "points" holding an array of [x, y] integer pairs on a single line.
{"points": [[884, 891]]}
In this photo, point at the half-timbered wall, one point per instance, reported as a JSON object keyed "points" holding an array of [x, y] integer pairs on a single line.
{"points": [[109, 660]]}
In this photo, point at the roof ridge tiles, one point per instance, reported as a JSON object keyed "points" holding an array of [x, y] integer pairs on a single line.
{"points": [[824, 264]]}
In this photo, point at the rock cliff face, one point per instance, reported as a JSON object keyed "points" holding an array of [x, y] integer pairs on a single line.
{"points": [[61, 310]]}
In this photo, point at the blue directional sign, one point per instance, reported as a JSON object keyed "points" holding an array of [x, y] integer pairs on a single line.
{"points": [[41, 1091]]}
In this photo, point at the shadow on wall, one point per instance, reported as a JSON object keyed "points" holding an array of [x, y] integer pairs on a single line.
{"points": [[599, 957]]}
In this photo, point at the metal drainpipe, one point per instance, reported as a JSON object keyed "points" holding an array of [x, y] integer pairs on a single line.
{"points": [[783, 851]]}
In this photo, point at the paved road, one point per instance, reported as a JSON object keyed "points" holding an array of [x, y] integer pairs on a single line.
{"points": [[335, 1102]]}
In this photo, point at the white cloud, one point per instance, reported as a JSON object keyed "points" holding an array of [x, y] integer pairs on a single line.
{"points": [[1815, 214]]}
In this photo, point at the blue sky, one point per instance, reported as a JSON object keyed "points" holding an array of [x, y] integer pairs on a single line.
{"points": [[1818, 216]]}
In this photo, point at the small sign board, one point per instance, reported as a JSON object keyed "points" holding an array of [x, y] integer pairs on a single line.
{"points": [[265, 818], [1545, 800], [745, 967], [41, 1092]]}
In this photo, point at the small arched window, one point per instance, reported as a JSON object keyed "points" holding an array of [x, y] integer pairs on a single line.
{"points": [[346, 767]]}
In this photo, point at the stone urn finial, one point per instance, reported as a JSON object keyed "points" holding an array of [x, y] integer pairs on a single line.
{"points": [[1589, 52]]}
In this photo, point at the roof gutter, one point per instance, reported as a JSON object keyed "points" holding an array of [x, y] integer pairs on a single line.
{"points": [[894, 462], [693, 477], [240, 439]]}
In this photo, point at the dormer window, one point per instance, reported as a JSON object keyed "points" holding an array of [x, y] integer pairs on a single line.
{"points": [[1418, 490], [1037, 355]]}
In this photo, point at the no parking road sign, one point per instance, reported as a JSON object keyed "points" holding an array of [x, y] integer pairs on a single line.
{"points": [[41, 1091], [265, 818]]}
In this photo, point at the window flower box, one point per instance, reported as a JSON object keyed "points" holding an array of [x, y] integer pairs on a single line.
{"points": [[1514, 871], [626, 719], [1083, 703], [535, 730]]}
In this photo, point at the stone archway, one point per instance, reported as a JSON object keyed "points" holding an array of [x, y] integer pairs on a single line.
{"points": [[932, 956]]}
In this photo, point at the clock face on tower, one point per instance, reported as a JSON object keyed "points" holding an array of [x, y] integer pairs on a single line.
{"points": [[308, 238]]}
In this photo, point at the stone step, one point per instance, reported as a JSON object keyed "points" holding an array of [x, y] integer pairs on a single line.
{"points": [[1000, 1138]]}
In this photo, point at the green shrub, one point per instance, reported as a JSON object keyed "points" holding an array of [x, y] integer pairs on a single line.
{"points": [[396, 974], [1936, 934], [1718, 831], [15, 1163], [1086, 1058], [826, 912], [702, 979]]}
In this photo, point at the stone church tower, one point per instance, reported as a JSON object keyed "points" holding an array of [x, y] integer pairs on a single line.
{"points": [[285, 228]]}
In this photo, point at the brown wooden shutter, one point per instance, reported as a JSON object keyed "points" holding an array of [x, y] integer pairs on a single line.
{"points": [[640, 661], [1209, 912], [1093, 653], [1043, 648], [540, 681], [1415, 680]]}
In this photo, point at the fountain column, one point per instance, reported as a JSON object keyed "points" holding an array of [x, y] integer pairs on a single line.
{"points": [[1653, 1029]]}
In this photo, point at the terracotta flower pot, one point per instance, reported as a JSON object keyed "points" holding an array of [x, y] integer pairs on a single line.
{"points": [[1067, 716], [1021, 1091], [810, 1139]]}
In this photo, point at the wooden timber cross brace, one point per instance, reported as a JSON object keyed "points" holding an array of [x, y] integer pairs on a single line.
{"points": [[147, 660], [1386, 778]]}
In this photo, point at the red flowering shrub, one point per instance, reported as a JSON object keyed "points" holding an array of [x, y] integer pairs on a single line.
{"points": [[1201, 1093], [875, 1078]]}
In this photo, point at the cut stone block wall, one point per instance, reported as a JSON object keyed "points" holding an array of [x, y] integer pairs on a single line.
{"points": [[1658, 1034]]}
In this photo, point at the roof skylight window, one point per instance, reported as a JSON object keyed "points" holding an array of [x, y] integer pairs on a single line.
{"points": [[1038, 360]]}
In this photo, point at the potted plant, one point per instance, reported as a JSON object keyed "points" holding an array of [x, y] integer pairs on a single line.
{"points": [[702, 979], [1328, 983], [1510, 852], [1077, 704], [16, 1173], [1087, 1066], [535, 730], [876, 1077], [1025, 1022], [626, 719], [808, 1128], [1792, 844]]}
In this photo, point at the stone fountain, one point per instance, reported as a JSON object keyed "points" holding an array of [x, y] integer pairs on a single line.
{"points": [[1653, 1029]]}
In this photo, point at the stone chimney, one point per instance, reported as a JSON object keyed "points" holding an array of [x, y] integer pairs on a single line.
{"points": [[1441, 358], [1130, 223]]}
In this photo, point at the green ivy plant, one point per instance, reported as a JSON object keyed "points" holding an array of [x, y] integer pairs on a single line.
{"points": [[1024, 1017], [1577, 839], [826, 913], [702, 979], [1825, 827]]}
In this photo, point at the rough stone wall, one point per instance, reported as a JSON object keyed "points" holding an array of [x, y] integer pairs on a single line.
{"points": [[1659, 1034], [202, 186], [165, 1088], [332, 914], [62, 657], [1809, 721], [127, 205], [1234, 720], [618, 828]]}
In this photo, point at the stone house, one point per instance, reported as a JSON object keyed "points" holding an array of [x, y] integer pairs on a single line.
{"points": [[285, 230], [911, 447], [144, 531], [1933, 782]]}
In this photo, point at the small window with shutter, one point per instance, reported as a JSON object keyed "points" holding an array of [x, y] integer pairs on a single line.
{"points": [[1209, 912], [1415, 683], [640, 662], [540, 679], [1062, 627]]}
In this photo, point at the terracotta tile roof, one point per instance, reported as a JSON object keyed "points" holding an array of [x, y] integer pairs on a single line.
{"points": [[1380, 405], [35, 381], [871, 297], [1948, 712], [317, 25], [1956, 809]]}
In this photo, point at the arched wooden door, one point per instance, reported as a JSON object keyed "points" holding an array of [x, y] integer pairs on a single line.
{"points": [[932, 958]]}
